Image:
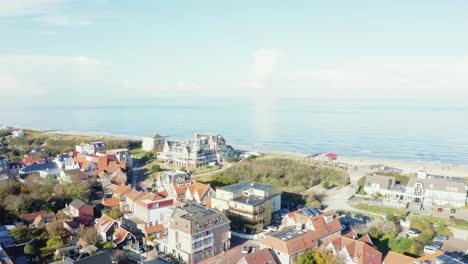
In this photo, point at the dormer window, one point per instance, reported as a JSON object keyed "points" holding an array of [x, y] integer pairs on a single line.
{"points": [[328, 218]]}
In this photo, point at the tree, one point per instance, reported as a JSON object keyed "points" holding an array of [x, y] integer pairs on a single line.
{"points": [[30, 250], [77, 191], [89, 234], [55, 242], [115, 213], [21, 233], [156, 168], [317, 257], [56, 229], [61, 215]]}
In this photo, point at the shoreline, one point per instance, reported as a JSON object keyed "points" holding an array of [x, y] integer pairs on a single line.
{"points": [[408, 166]]}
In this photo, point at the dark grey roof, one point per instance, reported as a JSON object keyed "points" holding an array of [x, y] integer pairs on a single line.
{"points": [[99, 258], [450, 258], [63, 157], [246, 186], [39, 167], [77, 203]]}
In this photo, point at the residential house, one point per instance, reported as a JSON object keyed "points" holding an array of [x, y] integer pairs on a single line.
{"points": [[61, 159], [121, 237], [166, 180], [122, 155], [105, 228], [152, 143], [78, 208], [202, 150], [377, 183], [42, 220], [198, 192], [4, 168], [103, 257], [41, 169], [73, 176], [252, 203], [156, 231], [397, 258], [121, 191], [91, 148], [264, 256], [323, 225], [289, 242], [153, 209], [422, 190], [128, 205], [196, 233], [29, 218], [177, 190], [31, 159], [110, 203], [18, 133], [355, 251], [14, 168]]}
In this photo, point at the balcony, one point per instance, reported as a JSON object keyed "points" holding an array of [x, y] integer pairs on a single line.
{"points": [[202, 238], [256, 211]]}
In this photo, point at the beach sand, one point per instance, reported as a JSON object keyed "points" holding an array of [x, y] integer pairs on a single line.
{"points": [[408, 167]]}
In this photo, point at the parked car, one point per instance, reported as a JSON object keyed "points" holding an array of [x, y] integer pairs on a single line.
{"points": [[453, 211], [442, 237], [245, 250], [342, 213], [413, 232], [430, 249], [273, 228], [437, 244], [440, 209], [137, 250], [359, 217], [452, 217]]}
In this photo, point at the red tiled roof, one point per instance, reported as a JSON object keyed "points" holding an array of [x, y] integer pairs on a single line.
{"points": [[363, 252], [104, 223], [292, 246], [199, 188], [32, 216], [397, 258], [155, 229], [121, 189], [263, 256], [119, 235], [111, 202]]}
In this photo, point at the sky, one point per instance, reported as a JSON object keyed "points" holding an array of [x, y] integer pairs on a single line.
{"points": [[111, 50]]}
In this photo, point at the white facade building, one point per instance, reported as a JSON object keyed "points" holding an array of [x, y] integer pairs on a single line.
{"points": [[91, 148], [152, 143], [18, 133], [202, 150]]}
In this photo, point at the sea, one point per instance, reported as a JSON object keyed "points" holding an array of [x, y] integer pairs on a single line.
{"points": [[425, 130]]}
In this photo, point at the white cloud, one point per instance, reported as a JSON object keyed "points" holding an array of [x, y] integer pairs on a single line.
{"points": [[65, 21], [26, 7], [428, 76], [58, 75]]}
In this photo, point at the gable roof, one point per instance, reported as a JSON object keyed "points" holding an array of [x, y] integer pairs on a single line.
{"points": [[363, 252], [77, 203], [104, 223], [155, 229], [263, 256], [134, 195], [397, 258], [111, 202], [320, 225], [121, 189], [120, 234], [181, 187], [385, 182], [290, 241], [100, 258], [199, 188], [32, 216]]}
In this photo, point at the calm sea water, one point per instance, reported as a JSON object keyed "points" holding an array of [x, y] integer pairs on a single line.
{"points": [[416, 130]]}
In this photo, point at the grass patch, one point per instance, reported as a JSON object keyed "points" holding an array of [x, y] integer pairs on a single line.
{"points": [[457, 223], [381, 210]]}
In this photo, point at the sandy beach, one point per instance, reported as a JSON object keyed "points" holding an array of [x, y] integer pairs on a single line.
{"points": [[407, 166]]}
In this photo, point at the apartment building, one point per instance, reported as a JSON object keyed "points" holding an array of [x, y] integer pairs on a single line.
{"points": [[196, 233], [249, 205], [202, 150], [152, 143], [91, 148]]}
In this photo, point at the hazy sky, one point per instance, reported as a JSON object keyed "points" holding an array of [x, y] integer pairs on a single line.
{"points": [[104, 50]]}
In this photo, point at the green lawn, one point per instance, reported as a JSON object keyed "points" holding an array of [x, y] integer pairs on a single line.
{"points": [[381, 210], [457, 223]]}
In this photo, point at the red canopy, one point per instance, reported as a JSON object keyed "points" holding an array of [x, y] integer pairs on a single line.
{"points": [[331, 155]]}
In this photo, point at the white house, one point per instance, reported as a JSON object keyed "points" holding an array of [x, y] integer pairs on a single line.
{"points": [[18, 133], [152, 143]]}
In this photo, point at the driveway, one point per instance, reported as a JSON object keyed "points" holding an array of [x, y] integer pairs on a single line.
{"points": [[234, 254]]}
